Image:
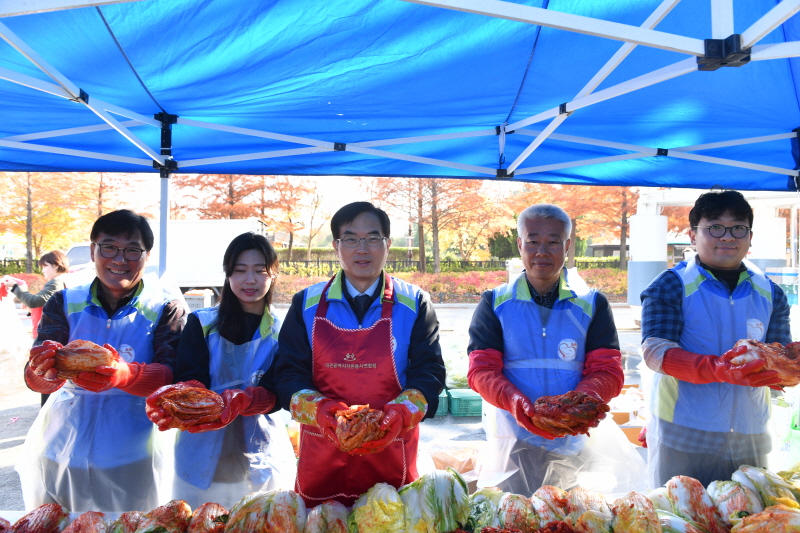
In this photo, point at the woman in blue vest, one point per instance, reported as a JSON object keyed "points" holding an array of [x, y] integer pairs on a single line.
{"points": [[230, 349]]}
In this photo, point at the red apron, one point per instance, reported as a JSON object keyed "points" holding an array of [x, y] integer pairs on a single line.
{"points": [[357, 367]]}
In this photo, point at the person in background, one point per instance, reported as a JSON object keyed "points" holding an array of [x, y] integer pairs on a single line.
{"points": [[53, 264], [709, 416], [363, 337], [543, 334], [91, 446], [230, 349]]}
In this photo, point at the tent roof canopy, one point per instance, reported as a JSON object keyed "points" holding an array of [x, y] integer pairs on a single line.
{"points": [[596, 92]]}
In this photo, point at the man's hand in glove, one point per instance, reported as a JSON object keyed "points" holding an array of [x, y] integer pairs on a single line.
{"points": [[108, 377], [400, 416], [43, 359], [312, 408], [486, 377], [248, 402], [701, 369]]}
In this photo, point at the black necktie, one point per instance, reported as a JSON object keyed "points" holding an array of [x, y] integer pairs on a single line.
{"points": [[362, 304]]}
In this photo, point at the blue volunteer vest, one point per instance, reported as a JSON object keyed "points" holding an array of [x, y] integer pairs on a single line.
{"points": [[543, 359], [232, 367], [107, 429], [713, 320], [404, 314]]}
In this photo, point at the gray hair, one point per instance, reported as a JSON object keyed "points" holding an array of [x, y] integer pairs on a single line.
{"points": [[544, 211]]}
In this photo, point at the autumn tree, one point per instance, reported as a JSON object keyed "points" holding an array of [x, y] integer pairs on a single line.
{"points": [[317, 218], [43, 208], [289, 196], [215, 196]]}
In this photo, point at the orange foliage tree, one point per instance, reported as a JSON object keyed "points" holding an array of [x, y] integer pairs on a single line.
{"points": [[215, 196]]}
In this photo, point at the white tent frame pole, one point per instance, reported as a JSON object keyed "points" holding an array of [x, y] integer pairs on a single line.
{"points": [[34, 83], [663, 9], [556, 122], [76, 153], [13, 8], [733, 163], [249, 157], [425, 138], [771, 20], [761, 52], [721, 18], [582, 163], [163, 227], [255, 133], [736, 142], [589, 141], [69, 131], [575, 23], [96, 106], [424, 160]]}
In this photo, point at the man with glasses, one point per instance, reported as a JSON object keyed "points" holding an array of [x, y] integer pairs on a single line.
{"points": [[91, 447], [361, 338], [709, 416]]}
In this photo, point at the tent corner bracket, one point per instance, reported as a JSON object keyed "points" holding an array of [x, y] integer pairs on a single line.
{"points": [[726, 52], [503, 173], [340, 147], [169, 166], [562, 109], [662, 151], [82, 97]]}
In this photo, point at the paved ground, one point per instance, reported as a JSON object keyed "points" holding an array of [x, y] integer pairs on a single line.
{"points": [[446, 438]]}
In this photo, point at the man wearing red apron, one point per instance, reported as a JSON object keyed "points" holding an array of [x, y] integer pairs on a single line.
{"points": [[361, 338]]}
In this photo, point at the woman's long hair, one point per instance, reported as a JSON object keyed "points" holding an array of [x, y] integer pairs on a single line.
{"points": [[230, 320]]}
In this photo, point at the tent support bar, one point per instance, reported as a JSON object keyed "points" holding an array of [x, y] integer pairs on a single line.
{"points": [[256, 133], [588, 141], [34, 83], [760, 52], [76, 153], [37, 60], [125, 132], [426, 138], [576, 23], [249, 157], [69, 131], [771, 20], [651, 22], [12, 8], [582, 163], [556, 122], [721, 18], [732, 163], [423, 160], [737, 142], [663, 74]]}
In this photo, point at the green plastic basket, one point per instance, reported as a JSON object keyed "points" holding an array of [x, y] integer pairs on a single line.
{"points": [[443, 401], [464, 402]]}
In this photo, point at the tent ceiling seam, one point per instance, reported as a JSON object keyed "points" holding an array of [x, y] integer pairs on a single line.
{"points": [[124, 55]]}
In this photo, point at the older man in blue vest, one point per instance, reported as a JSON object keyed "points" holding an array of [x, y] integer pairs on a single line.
{"points": [[709, 416], [544, 333]]}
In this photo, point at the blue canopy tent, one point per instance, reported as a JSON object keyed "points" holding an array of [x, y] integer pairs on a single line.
{"points": [[595, 92]]}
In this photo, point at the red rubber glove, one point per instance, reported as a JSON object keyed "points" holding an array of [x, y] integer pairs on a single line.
{"points": [[642, 438], [39, 384], [400, 416], [702, 369], [43, 359], [326, 418], [139, 379], [485, 376], [248, 402], [155, 412]]}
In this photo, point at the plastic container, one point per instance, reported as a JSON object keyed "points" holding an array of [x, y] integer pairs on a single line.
{"points": [[443, 401], [465, 402]]}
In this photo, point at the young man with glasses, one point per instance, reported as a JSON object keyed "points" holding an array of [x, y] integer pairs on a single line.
{"points": [[361, 338], [91, 447], [709, 416]]}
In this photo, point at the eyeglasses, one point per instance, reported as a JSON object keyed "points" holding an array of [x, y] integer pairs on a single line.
{"points": [[718, 230], [109, 251], [352, 242]]}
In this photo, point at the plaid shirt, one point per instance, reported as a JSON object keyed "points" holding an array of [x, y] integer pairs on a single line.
{"points": [[662, 317]]}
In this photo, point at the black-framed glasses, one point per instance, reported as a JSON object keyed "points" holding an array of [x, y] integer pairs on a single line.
{"points": [[109, 251], [352, 242], [718, 230]]}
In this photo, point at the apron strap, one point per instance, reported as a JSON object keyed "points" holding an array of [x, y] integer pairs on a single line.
{"points": [[386, 306]]}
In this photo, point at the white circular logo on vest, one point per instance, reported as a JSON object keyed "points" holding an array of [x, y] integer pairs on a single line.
{"points": [[755, 329], [255, 377], [567, 349], [394, 344], [126, 352]]}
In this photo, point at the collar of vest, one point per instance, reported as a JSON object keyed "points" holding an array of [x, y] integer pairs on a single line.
{"points": [[693, 275], [95, 287], [336, 290], [571, 287], [208, 320]]}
